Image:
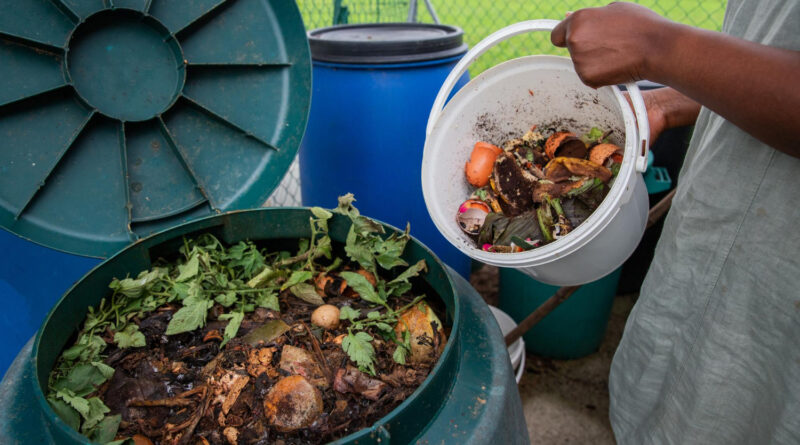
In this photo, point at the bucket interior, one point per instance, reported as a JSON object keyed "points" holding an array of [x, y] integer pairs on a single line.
{"points": [[503, 103]]}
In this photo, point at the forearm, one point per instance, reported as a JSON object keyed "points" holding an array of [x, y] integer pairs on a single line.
{"points": [[753, 86]]}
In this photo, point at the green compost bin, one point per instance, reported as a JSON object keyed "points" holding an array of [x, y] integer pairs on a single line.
{"points": [[575, 328], [469, 397], [128, 124]]}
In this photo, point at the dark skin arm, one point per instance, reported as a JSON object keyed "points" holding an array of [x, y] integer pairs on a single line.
{"points": [[667, 108], [753, 86]]}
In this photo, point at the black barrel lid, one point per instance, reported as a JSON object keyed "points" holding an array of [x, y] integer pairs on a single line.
{"points": [[378, 43]]}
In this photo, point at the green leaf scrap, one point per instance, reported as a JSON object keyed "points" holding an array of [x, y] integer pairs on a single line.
{"points": [[307, 293], [97, 411], [360, 284], [348, 313], [298, 276], [234, 322], [267, 299], [130, 337], [359, 348], [189, 317], [189, 270]]}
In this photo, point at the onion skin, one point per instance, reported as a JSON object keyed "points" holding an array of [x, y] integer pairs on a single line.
{"points": [[481, 163]]}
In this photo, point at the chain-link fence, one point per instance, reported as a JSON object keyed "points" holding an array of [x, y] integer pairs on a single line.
{"points": [[478, 19]]}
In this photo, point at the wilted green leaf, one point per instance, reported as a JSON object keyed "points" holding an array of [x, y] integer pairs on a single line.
{"points": [[234, 322], [399, 355], [419, 267], [307, 293], [67, 413], [190, 317], [321, 213], [298, 276], [360, 350], [385, 327], [135, 287], [362, 286], [268, 299], [130, 337], [82, 379], [106, 430], [97, 411], [346, 207], [105, 370], [188, 270], [388, 251], [80, 404], [226, 299], [263, 277], [358, 251], [245, 256], [348, 313]]}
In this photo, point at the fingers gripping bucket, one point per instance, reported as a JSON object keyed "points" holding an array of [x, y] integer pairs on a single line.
{"points": [[504, 102]]}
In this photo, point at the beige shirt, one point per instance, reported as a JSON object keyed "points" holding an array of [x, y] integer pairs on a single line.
{"points": [[711, 351]]}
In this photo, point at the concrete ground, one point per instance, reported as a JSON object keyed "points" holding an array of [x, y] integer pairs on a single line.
{"points": [[566, 401]]}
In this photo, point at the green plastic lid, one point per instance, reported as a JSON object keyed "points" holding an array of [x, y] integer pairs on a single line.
{"points": [[119, 118]]}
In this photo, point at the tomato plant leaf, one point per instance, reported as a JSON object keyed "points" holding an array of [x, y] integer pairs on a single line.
{"points": [[189, 317], [80, 404], [399, 355], [268, 299], [359, 348], [360, 284], [97, 411], [130, 337], [66, 412], [226, 299], [106, 430], [348, 313], [307, 293], [234, 322], [321, 213], [298, 276], [188, 270]]}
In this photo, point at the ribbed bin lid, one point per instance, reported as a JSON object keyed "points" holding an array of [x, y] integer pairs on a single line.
{"points": [[386, 43], [120, 118]]}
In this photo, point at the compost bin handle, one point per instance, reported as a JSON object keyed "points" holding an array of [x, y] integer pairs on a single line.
{"points": [[506, 33]]}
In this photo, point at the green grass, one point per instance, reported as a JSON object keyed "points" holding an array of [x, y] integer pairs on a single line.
{"points": [[479, 18]]}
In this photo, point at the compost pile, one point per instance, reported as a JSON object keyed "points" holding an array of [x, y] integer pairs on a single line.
{"points": [[536, 188], [238, 345]]}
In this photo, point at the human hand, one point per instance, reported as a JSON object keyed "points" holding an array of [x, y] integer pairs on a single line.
{"points": [[667, 108], [612, 44], [655, 113]]}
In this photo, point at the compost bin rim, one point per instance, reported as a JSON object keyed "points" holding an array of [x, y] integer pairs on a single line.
{"points": [[205, 225], [389, 51]]}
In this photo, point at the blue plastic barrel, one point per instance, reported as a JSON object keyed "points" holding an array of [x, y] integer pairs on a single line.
{"points": [[373, 88], [32, 279]]}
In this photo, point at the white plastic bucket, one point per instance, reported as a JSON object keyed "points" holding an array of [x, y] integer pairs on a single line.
{"points": [[504, 102], [516, 351]]}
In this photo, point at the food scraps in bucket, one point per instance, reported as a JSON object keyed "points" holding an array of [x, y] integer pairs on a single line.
{"points": [[539, 188], [238, 344]]}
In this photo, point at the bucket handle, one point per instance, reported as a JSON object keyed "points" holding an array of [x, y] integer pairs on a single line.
{"points": [[640, 112]]}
